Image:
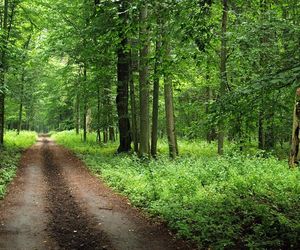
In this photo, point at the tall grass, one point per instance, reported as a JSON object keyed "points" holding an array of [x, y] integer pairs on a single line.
{"points": [[235, 201], [10, 155]]}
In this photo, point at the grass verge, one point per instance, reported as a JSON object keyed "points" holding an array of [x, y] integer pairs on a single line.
{"points": [[10, 155], [235, 201]]}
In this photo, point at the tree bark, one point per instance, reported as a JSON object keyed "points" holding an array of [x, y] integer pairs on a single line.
{"points": [[170, 121], [84, 103], [3, 66], [21, 103], [144, 83], [123, 79], [155, 109], [112, 137], [26, 46], [98, 139], [223, 71], [77, 106], [169, 104], [134, 125], [294, 154]]}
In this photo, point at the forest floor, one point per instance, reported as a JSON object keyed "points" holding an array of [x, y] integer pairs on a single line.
{"points": [[55, 203]]}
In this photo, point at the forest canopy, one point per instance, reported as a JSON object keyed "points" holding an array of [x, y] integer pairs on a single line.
{"points": [[140, 70]]}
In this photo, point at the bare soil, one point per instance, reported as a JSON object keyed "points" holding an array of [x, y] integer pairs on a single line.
{"points": [[56, 203]]}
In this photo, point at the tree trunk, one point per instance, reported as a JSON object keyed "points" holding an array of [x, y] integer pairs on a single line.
{"points": [[105, 136], [84, 104], [134, 125], [26, 46], [77, 106], [169, 104], [155, 109], [112, 134], [21, 104], [170, 121], [223, 71], [294, 154], [123, 79], [144, 83], [3, 66], [98, 139], [261, 133]]}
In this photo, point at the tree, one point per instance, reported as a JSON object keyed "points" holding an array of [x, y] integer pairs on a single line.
{"points": [[123, 80], [144, 82], [223, 74], [294, 153]]}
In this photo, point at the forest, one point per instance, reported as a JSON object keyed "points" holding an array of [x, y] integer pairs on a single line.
{"points": [[189, 108]]}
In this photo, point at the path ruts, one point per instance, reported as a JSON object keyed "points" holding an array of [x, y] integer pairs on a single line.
{"points": [[56, 203], [69, 225]]}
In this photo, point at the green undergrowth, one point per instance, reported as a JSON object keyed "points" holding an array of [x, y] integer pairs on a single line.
{"points": [[230, 202], [10, 155]]}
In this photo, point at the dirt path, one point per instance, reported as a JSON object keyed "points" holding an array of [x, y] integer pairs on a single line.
{"points": [[55, 203]]}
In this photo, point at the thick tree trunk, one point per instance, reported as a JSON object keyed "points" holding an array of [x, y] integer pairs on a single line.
{"points": [[154, 131], [294, 154], [223, 71], [144, 84], [123, 79]]}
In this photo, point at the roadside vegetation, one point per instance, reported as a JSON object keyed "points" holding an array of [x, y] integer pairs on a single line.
{"points": [[242, 200], [10, 155]]}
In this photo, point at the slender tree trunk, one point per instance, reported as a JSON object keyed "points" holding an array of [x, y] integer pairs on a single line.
{"points": [[26, 46], [261, 134], [123, 81], [169, 105], [112, 134], [154, 131], [4, 41], [170, 121], [84, 104], [294, 154], [21, 104], [223, 72], [262, 109], [105, 135], [98, 115], [144, 84], [77, 106], [134, 125]]}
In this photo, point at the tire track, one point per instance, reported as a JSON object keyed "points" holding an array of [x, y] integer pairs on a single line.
{"points": [[69, 225]]}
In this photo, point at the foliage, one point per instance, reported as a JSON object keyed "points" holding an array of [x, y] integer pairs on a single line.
{"points": [[10, 155], [234, 201]]}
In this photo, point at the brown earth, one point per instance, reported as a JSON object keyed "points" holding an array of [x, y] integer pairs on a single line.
{"points": [[55, 203]]}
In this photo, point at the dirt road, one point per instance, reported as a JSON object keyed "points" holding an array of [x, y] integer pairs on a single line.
{"points": [[55, 203]]}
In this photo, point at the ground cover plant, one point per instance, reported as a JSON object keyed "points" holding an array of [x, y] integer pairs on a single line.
{"points": [[233, 201], [10, 155]]}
